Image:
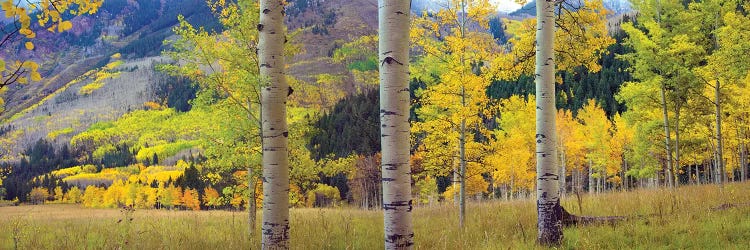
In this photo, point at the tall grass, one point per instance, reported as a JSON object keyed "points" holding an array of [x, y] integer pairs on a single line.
{"points": [[662, 219]]}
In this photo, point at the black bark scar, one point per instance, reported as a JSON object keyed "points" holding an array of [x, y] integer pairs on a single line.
{"points": [[390, 60]]}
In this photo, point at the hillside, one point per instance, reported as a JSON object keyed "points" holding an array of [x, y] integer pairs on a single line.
{"points": [[135, 30]]}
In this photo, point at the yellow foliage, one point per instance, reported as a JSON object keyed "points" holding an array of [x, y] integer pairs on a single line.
{"points": [[457, 56], [514, 146], [39, 195], [581, 39], [191, 200]]}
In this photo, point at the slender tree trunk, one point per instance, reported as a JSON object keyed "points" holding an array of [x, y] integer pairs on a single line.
{"points": [[624, 174], [456, 181], [697, 175], [676, 169], [252, 183], [667, 137], [549, 222], [271, 37], [743, 158], [591, 178], [719, 139], [393, 21], [563, 173], [456, 165], [462, 139], [251, 206], [462, 175], [492, 188]]}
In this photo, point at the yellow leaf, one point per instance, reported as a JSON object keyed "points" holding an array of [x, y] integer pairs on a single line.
{"points": [[29, 46], [65, 25], [35, 76]]}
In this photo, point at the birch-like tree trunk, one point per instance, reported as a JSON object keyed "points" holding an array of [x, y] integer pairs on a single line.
{"points": [[563, 173], [274, 91], [251, 206], [677, 164], [719, 142], [667, 137], [462, 139], [591, 178], [393, 24], [743, 156], [549, 223]]}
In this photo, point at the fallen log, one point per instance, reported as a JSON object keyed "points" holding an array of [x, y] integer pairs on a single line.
{"points": [[726, 206], [572, 220]]}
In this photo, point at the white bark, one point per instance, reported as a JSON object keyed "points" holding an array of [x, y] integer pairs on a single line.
{"points": [[271, 36], [591, 178], [549, 211], [720, 171], [677, 164], [393, 21], [743, 157], [462, 139], [667, 137], [251, 207], [563, 173]]}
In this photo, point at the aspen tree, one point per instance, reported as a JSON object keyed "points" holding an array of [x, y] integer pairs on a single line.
{"points": [[393, 54], [274, 90], [549, 211]]}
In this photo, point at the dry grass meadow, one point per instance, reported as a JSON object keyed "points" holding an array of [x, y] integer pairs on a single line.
{"points": [[662, 219]]}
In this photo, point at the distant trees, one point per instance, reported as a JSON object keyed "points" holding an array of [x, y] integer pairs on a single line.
{"points": [[456, 70], [33, 170], [688, 77]]}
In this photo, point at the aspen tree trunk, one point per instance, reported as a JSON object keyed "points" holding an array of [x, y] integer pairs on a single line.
{"points": [[719, 142], [563, 186], [697, 175], [549, 211], [393, 21], [743, 156], [591, 178], [252, 183], [251, 206], [676, 169], [456, 181], [271, 37], [456, 165], [462, 139], [625, 184], [462, 175], [668, 173]]}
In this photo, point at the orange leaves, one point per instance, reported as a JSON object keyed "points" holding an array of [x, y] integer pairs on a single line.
{"points": [[191, 200], [153, 105]]}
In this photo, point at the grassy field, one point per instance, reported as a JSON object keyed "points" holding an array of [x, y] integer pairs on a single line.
{"points": [[680, 219]]}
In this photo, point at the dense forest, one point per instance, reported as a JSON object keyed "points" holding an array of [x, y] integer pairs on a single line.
{"points": [[652, 98]]}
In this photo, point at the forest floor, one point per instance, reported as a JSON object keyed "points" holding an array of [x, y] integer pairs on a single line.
{"points": [[691, 217]]}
